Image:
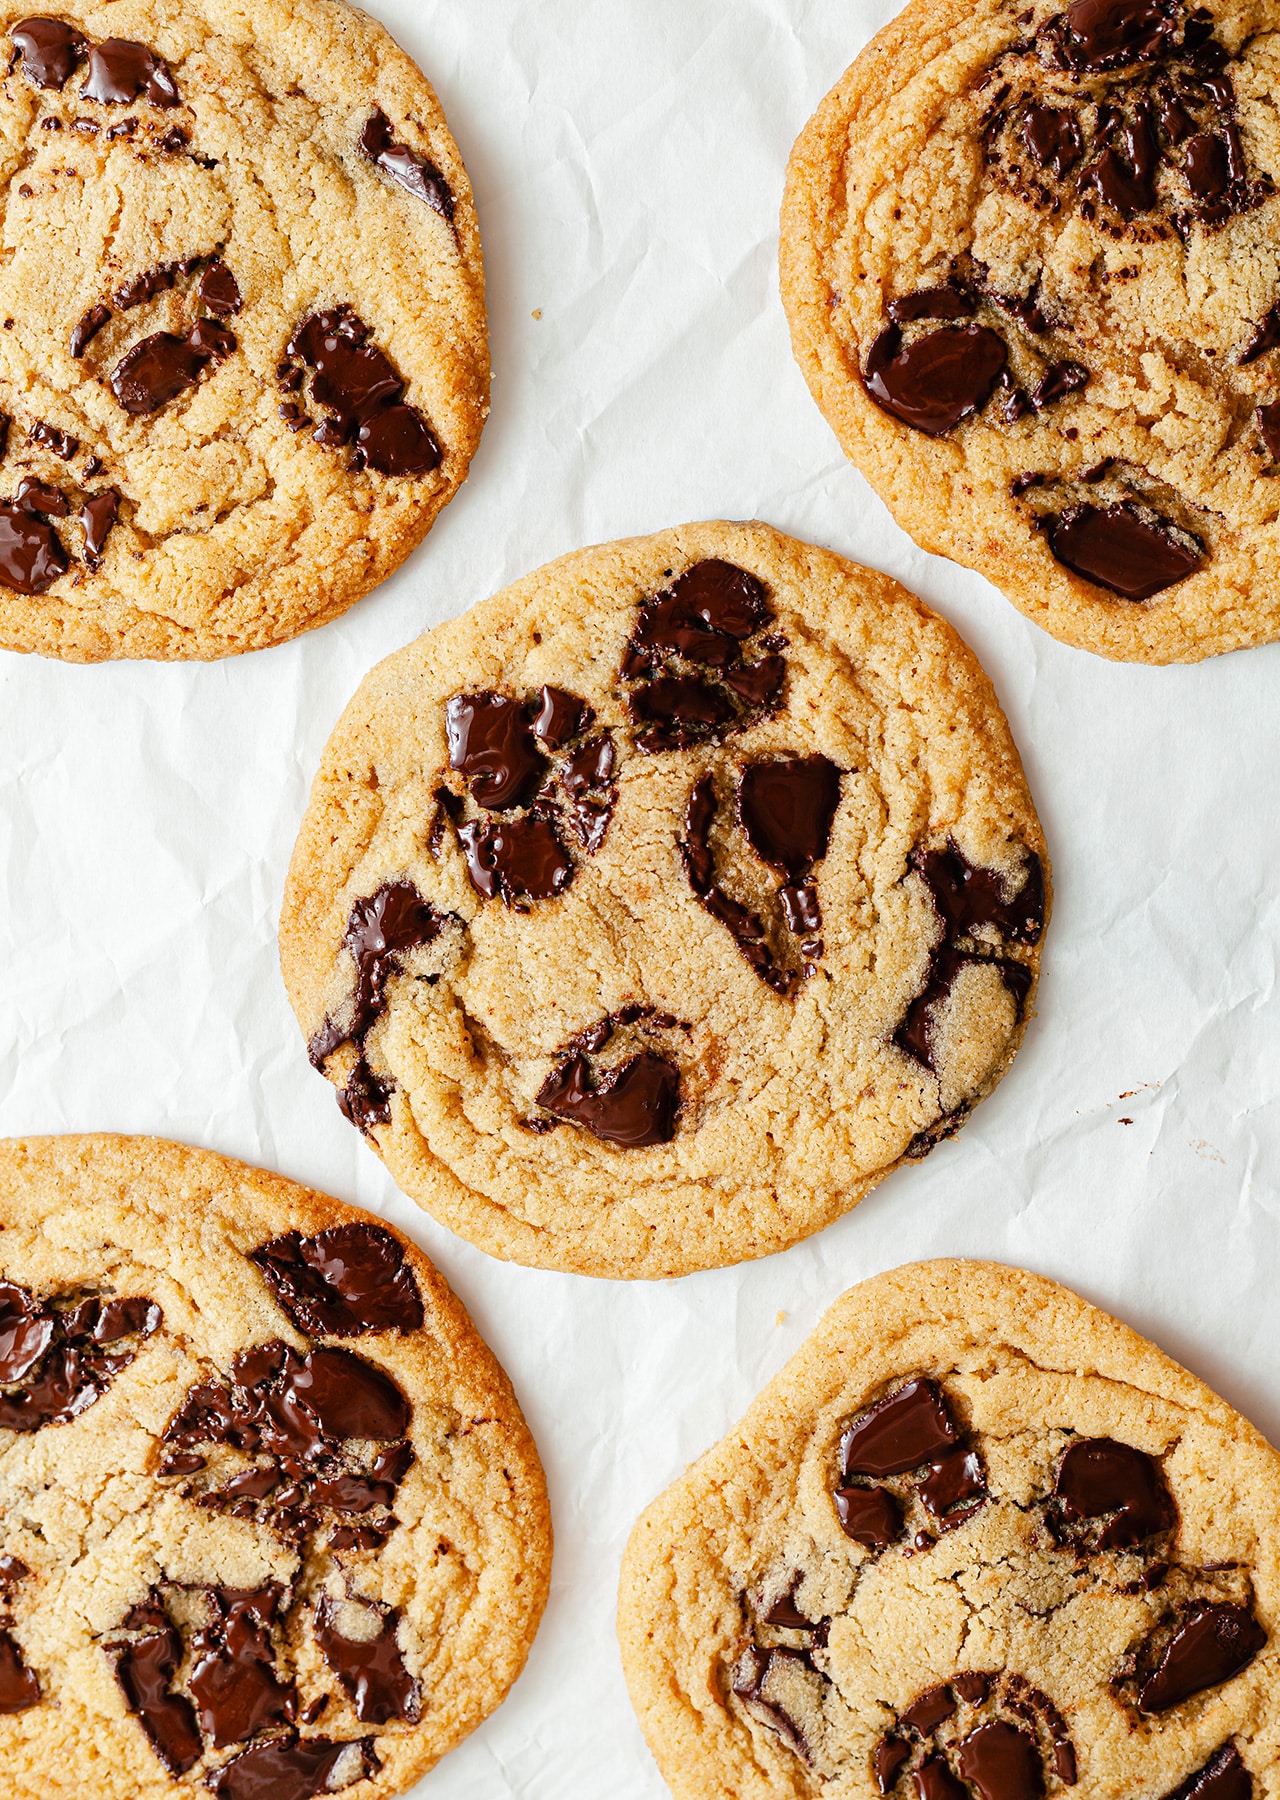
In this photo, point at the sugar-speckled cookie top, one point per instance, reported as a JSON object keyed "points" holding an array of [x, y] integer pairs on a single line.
{"points": [[271, 1523], [977, 1541], [243, 355], [650, 913], [1031, 258]]}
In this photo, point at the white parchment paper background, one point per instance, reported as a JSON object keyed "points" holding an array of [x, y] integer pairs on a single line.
{"points": [[628, 160]]}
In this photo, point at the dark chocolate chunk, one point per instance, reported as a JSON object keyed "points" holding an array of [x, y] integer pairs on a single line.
{"points": [[973, 1686], [915, 1035], [870, 1516], [744, 926], [19, 1685], [121, 71], [905, 1429], [712, 601], [940, 379], [233, 1679], [590, 767], [1124, 176], [519, 858], [930, 1709], [26, 1331], [122, 1318], [786, 807], [891, 1753], [145, 287], [750, 1680], [88, 328], [144, 1670], [48, 437], [365, 1099], [1207, 166], [219, 290], [40, 497], [343, 1282], [1215, 1643], [98, 516], [1269, 428], [786, 1614], [946, 302], [287, 1768], [69, 1369], [13, 1571], [966, 897], [491, 744], [1114, 548], [934, 1781], [346, 1397], [633, 1105], [1052, 135], [363, 392], [1266, 336], [1098, 1476], [31, 553], [1002, 1762], [371, 1671], [953, 1480], [162, 366], [675, 708], [49, 50], [1058, 380], [1223, 1777], [1107, 34], [414, 172], [560, 716]]}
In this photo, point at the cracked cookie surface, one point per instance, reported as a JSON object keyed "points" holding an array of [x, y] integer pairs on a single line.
{"points": [[976, 1541], [271, 1521], [650, 913], [1031, 262], [243, 348]]}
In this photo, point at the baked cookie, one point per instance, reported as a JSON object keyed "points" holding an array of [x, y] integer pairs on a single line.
{"points": [[651, 913], [271, 1524], [977, 1541], [1031, 259], [243, 355]]}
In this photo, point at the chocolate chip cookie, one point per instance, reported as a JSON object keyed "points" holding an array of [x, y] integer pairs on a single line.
{"points": [[1031, 259], [243, 352], [977, 1541], [271, 1523], [648, 915]]}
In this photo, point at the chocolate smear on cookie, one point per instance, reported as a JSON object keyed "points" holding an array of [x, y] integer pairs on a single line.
{"points": [[290, 1768], [233, 1678], [57, 1360], [372, 1669], [32, 557]]}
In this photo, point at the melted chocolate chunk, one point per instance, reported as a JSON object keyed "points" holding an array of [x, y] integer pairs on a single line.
{"points": [[785, 807], [219, 290], [934, 1781], [745, 927], [1266, 336], [121, 71], [143, 288], [31, 554], [381, 930], [870, 1516], [19, 1685], [1108, 34], [371, 1671], [365, 1100], [1059, 380], [973, 1686], [560, 716], [938, 380], [1207, 165], [363, 393], [514, 859], [947, 302], [1002, 1762], [1223, 1777], [1052, 135], [1098, 1476], [144, 1670], [49, 50], [415, 173], [899, 1433], [163, 366], [1112, 547], [98, 516], [705, 615], [966, 897], [343, 1282], [750, 1681], [916, 1034], [1269, 429], [633, 1105], [233, 1678], [48, 437], [58, 1355], [1215, 1643], [953, 1480], [677, 710], [590, 767], [930, 1710], [88, 328], [491, 744], [891, 1753], [785, 1614], [288, 1768], [1125, 177]]}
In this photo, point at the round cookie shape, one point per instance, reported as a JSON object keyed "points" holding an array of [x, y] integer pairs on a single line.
{"points": [[1031, 261], [649, 914], [271, 1521], [976, 1541], [243, 349]]}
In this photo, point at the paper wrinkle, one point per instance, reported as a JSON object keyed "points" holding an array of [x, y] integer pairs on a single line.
{"points": [[628, 163]]}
